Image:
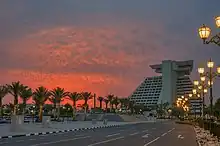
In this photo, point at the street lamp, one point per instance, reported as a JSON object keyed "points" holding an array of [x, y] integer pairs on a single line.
{"points": [[205, 31], [210, 74], [201, 91]]}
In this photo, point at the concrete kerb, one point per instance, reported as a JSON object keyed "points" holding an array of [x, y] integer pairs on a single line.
{"points": [[58, 131]]}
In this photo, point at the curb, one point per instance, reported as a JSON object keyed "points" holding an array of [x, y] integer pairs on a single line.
{"points": [[58, 131]]}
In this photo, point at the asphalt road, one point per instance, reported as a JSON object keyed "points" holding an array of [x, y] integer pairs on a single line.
{"points": [[147, 134]]}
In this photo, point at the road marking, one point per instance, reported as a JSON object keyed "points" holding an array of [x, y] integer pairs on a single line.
{"points": [[154, 128], [113, 135], [121, 130], [180, 136], [170, 130], [64, 140], [132, 134], [106, 141], [3, 142], [145, 131], [32, 139], [164, 134], [145, 136], [19, 140], [151, 141]]}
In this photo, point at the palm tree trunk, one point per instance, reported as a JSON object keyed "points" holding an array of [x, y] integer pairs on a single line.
{"points": [[54, 110], [15, 104], [112, 107], [58, 111], [24, 107], [100, 104], [41, 113], [106, 106], [1, 111], [74, 109]]}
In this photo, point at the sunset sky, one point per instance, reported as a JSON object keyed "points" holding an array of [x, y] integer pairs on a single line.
{"points": [[100, 46]]}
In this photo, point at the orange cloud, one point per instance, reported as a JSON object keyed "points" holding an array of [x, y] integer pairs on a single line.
{"points": [[99, 60]]}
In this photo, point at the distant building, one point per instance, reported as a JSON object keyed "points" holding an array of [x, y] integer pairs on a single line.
{"points": [[173, 82]]}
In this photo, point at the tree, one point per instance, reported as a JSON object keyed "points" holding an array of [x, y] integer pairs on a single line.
{"points": [[110, 98], [100, 99], [57, 95], [3, 93], [106, 103], [116, 102], [74, 97], [86, 96], [40, 96], [25, 95], [14, 89], [124, 102], [131, 106], [217, 107]]}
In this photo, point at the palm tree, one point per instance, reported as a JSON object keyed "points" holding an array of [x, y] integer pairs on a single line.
{"points": [[116, 102], [40, 96], [14, 89], [3, 92], [57, 95], [25, 95], [106, 103], [110, 98], [86, 96], [131, 105], [100, 99], [74, 97], [124, 102]]}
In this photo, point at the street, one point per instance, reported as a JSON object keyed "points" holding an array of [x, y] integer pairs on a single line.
{"points": [[145, 134]]}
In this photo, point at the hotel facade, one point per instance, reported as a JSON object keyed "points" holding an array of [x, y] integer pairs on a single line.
{"points": [[173, 81]]}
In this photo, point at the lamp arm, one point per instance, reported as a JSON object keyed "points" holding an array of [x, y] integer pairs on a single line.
{"points": [[214, 74], [215, 39]]}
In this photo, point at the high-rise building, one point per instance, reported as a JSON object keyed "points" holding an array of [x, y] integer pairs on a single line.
{"points": [[174, 81]]}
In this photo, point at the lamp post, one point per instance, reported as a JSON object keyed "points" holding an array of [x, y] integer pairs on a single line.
{"points": [[210, 74], [205, 31], [201, 86], [182, 102]]}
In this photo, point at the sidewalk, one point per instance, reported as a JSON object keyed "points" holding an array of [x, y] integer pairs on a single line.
{"points": [[38, 129]]}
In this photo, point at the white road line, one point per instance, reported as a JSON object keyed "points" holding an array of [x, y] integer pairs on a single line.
{"points": [[32, 139], [151, 141], [19, 140], [113, 135], [79, 135], [164, 134], [64, 140], [106, 141], [171, 130], [132, 134], [121, 130], [145, 131], [3, 143]]}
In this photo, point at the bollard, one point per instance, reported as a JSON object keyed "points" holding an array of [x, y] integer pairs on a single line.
{"points": [[93, 121], [105, 121]]}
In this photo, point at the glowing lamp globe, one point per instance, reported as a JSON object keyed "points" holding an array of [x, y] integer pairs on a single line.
{"points": [[218, 69], [210, 64], [202, 78], [217, 21], [204, 32], [196, 83], [201, 70]]}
